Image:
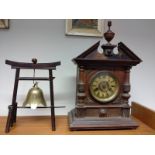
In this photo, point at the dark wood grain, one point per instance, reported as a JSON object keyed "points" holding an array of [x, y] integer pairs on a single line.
{"points": [[25, 65], [98, 123], [114, 114]]}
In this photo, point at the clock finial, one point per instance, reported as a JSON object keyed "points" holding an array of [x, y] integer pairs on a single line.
{"points": [[109, 24], [108, 36]]}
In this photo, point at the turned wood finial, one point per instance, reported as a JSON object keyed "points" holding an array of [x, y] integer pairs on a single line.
{"points": [[34, 60], [109, 24], [108, 47], [109, 35]]}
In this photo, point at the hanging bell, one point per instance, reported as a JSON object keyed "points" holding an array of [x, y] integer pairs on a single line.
{"points": [[34, 97]]}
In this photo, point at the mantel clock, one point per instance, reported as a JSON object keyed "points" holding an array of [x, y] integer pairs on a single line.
{"points": [[103, 86]]}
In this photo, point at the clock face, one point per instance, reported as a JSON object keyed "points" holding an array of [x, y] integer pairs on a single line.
{"points": [[104, 87]]}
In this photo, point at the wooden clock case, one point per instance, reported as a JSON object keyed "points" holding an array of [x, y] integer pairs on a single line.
{"points": [[92, 114]]}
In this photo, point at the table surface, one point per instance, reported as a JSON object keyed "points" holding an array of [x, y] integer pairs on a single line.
{"points": [[41, 125]]}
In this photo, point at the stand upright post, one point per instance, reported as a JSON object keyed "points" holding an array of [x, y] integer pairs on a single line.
{"points": [[13, 108], [52, 100]]}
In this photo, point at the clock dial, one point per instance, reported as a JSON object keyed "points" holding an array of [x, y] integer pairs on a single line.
{"points": [[104, 87]]}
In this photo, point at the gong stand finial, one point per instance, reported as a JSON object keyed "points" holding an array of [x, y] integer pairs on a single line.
{"points": [[108, 36], [34, 60]]}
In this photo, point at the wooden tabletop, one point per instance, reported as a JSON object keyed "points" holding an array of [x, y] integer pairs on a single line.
{"points": [[40, 125]]}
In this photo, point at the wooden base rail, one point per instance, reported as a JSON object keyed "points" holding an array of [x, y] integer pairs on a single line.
{"points": [[144, 114]]}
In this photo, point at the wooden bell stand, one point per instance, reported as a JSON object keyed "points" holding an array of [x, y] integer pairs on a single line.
{"points": [[12, 114]]}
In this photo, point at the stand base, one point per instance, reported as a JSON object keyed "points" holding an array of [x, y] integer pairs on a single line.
{"points": [[99, 123]]}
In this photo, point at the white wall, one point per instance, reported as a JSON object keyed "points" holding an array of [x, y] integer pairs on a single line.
{"points": [[46, 40]]}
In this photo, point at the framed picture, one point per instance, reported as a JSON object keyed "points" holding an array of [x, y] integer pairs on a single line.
{"points": [[4, 23], [85, 27]]}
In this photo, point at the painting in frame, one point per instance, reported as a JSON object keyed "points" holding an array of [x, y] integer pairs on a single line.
{"points": [[4, 23], [85, 27]]}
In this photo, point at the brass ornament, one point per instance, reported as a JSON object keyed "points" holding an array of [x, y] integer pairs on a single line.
{"points": [[104, 87], [34, 97]]}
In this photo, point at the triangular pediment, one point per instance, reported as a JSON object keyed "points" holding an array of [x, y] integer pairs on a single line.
{"points": [[123, 56]]}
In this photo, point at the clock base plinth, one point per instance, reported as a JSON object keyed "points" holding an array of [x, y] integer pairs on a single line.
{"points": [[97, 123]]}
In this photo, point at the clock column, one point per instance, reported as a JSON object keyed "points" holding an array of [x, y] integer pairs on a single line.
{"points": [[125, 94], [81, 95]]}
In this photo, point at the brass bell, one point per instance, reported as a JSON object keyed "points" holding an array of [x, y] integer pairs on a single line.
{"points": [[34, 97]]}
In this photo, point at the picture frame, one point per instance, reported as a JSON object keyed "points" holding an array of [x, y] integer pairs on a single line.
{"points": [[4, 23], [85, 27]]}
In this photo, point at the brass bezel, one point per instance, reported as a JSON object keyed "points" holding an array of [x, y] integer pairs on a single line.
{"points": [[104, 100]]}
